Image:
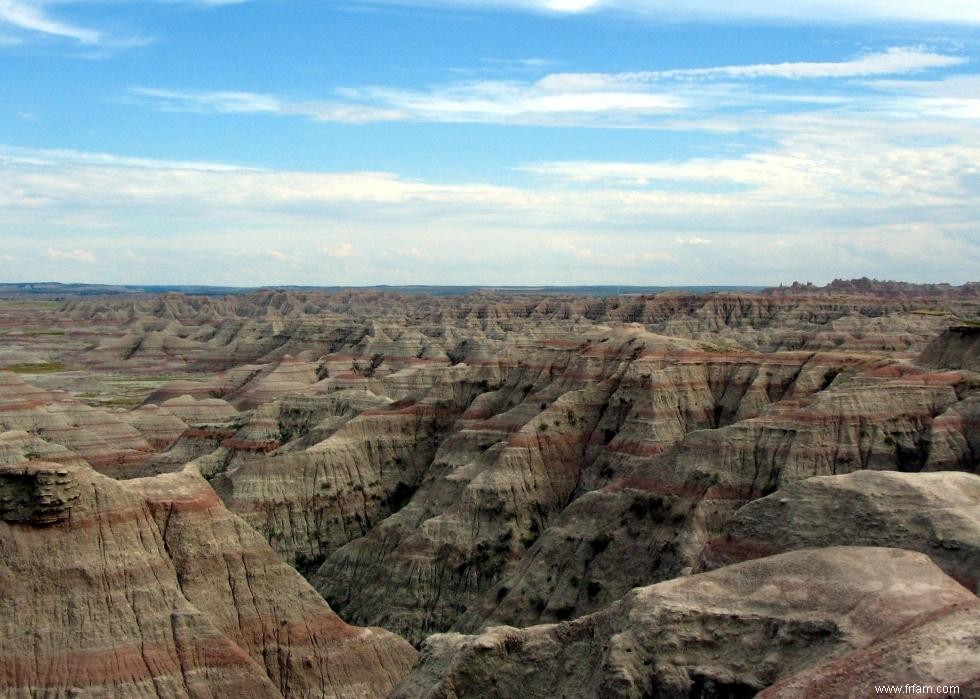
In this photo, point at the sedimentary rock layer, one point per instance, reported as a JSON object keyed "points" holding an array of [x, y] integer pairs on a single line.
{"points": [[730, 632], [935, 513], [151, 588], [455, 463]]}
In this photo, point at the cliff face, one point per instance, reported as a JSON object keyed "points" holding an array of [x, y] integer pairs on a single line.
{"points": [[935, 513], [956, 348], [730, 632], [151, 587], [656, 513], [938, 649]]}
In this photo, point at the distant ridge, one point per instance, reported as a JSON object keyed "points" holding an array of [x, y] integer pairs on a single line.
{"points": [[874, 286], [862, 285], [69, 289]]}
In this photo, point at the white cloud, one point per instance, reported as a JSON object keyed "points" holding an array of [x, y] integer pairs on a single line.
{"points": [[628, 99], [893, 61], [583, 251], [31, 19], [477, 101], [76, 255], [801, 11], [833, 194], [220, 101], [20, 156], [342, 250], [30, 15]]}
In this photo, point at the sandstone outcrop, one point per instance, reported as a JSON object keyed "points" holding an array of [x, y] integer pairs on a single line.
{"points": [[229, 572], [150, 587], [731, 632], [654, 515], [938, 650], [935, 513], [37, 493], [957, 348]]}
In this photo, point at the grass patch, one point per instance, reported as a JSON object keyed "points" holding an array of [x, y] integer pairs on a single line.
{"points": [[30, 303], [719, 348], [144, 378], [930, 312], [40, 333], [96, 399], [123, 402], [42, 368]]}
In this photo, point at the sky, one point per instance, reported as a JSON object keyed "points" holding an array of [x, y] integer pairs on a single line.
{"points": [[489, 142]]}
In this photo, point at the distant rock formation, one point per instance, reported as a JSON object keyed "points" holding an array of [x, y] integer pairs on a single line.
{"points": [[864, 285], [98, 436]]}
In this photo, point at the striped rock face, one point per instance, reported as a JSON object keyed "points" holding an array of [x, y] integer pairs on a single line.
{"points": [[728, 633], [935, 513], [152, 587], [432, 464]]}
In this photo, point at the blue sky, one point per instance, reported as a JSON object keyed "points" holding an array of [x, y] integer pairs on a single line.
{"points": [[489, 142]]}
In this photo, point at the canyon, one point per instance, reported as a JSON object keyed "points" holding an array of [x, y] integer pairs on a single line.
{"points": [[371, 493]]}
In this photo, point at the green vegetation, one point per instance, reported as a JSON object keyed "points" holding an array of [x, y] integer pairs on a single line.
{"points": [[31, 303], [97, 399], [127, 402], [719, 347], [41, 368], [143, 378]]}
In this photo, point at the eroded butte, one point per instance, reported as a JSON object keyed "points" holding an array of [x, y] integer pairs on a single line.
{"points": [[291, 494]]}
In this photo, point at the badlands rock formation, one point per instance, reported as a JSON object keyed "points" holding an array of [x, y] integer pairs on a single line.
{"points": [[935, 513], [728, 633], [152, 588], [99, 437], [938, 650], [450, 464], [957, 348]]}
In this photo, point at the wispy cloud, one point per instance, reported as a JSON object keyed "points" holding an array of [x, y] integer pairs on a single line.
{"points": [[237, 102], [824, 11], [627, 99], [893, 61], [30, 20], [76, 255], [476, 101], [32, 16], [341, 250]]}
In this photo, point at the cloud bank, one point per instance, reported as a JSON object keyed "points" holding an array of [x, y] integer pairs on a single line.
{"points": [[832, 195]]}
